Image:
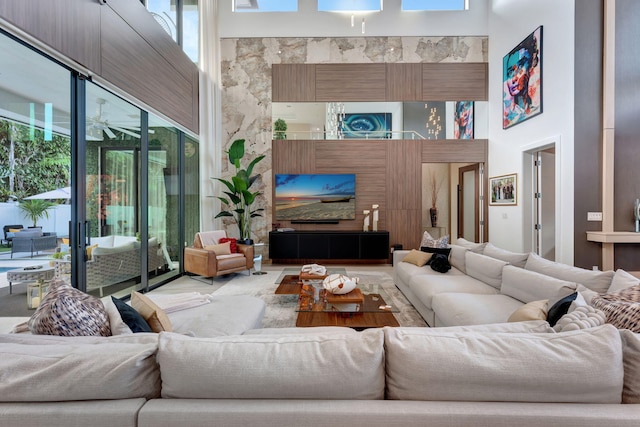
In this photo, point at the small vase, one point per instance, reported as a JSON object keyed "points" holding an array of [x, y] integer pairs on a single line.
{"points": [[433, 212]]}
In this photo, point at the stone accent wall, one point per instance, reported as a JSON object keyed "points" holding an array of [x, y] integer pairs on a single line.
{"points": [[246, 86]]}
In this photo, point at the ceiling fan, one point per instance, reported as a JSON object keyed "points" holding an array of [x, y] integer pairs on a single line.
{"points": [[100, 123]]}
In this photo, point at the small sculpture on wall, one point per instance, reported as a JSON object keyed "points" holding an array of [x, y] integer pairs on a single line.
{"points": [[375, 217], [365, 226]]}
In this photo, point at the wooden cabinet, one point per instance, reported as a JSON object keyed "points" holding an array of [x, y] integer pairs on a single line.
{"points": [[327, 246]]}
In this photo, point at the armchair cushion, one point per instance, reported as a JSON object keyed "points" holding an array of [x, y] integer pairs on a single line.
{"points": [[232, 243], [220, 248], [204, 238]]}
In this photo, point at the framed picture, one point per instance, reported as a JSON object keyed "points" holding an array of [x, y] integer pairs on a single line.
{"points": [[463, 120], [504, 190], [367, 125], [522, 80]]}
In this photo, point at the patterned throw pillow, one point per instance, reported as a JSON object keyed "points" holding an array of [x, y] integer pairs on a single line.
{"points": [[622, 308], [233, 246], [69, 312], [429, 242]]}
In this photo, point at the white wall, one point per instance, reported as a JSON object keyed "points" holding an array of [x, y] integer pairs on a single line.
{"points": [[509, 23], [308, 22]]}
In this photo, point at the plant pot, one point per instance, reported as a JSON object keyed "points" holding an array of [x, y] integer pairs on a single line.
{"points": [[245, 241], [433, 213]]}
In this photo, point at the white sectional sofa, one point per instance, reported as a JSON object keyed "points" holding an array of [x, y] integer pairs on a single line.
{"points": [[465, 376], [487, 284]]}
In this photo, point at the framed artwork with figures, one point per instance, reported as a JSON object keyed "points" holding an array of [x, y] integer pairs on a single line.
{"points": [[503, 190]]}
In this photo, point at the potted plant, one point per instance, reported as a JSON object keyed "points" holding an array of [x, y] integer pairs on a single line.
{"points": [[279, 128], [36, 209], [239, 198], [435, 186]]}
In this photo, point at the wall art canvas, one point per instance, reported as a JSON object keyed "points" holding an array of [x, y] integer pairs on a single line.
{"points": [[367, 125], [504, 190], [463, 120], [522, 80]]}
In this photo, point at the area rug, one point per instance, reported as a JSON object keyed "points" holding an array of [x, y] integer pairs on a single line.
{"points": [[280, 309]]}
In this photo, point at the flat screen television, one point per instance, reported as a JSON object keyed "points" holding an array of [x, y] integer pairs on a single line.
{"points": [[315, 197]]}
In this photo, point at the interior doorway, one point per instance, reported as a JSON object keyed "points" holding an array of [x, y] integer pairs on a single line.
{"points": [[539, 198], [469, 225]]}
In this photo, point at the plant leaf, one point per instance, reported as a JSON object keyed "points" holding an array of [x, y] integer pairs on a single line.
{"points": [[236, 152], [253, 163]]}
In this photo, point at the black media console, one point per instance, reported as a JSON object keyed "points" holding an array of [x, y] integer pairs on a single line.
{"points": [[329, 246]]}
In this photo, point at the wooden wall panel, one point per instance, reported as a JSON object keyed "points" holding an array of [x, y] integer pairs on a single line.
{"points": [[454, 151], [350, 82], [404, 82], [130, 63], [388, 173], [71, 27], [454, 82], [293, 83], [404, 174]]}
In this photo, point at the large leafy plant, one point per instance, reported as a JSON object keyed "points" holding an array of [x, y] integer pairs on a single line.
{"points": [[239, 198], [36, 209]]}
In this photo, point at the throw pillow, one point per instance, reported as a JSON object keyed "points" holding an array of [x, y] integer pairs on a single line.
{"points": [[534, 310], [116, 324], [622, 280], [220, 249], [232, 242], [583, 317], [560, 308], [416, 257], [67, 311], [440, 263], [154, 315], [622, 308], [443, 251], [90, 250], [15, 230], [430, 242], [131, 317]]}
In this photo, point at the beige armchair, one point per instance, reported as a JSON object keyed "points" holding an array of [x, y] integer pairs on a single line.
{"points": [[205, 262]]}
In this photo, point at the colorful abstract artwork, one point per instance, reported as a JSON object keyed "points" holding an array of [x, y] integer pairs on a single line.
{"points": [[463, 120], [367, 125], [522, 80]]}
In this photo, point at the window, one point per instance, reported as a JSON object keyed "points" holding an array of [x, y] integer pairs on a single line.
{"points": [[435, 4], [179, 18], [349, 5], [265, 5]]}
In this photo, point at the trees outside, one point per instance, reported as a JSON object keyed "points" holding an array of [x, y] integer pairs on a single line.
{"points": [[29, 164]]}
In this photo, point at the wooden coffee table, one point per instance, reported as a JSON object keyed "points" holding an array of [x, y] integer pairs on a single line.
{"points": [[373, 313]]}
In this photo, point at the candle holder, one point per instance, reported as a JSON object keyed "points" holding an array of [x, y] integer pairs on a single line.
{"points": [[375, 217], [35, 293], [636, 214], [365, 225]]}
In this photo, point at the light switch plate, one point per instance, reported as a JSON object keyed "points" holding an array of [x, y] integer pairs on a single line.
{"points": [[594, 216]]}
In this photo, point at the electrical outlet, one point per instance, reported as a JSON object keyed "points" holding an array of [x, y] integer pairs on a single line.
{"points": [[594, 216]]}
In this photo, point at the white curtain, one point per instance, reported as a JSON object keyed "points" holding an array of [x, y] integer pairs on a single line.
{"points": [[210, 115]]}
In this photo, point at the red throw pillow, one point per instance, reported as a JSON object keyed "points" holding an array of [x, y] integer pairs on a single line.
{"points": [[232, 244]]}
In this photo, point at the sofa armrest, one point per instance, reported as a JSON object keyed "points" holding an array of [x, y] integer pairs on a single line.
{"points": [[200, 261], [248, 252]]}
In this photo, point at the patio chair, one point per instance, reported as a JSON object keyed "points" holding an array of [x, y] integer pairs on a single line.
{"points": [[8, 233], [33, 241]]}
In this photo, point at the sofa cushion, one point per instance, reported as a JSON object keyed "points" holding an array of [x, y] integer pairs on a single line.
{"points": [[489, 366], [622, 308], [598, 281], [528, 286], [233, 245], [426, 286], [484, 268], [622, 280], [631, 358], [220, 248], [151, 312], [431, 242], [472, 246], [513, 258], [131, 317], [345, 366], [457, 309], [223, 315], [457, 257], [418, 258], [73, 369], [560, 308], [538, 326], [106, 250], [534, 310], [69, 312], [104, 242], [116, 324]]}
